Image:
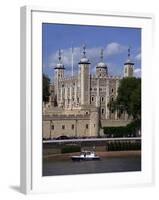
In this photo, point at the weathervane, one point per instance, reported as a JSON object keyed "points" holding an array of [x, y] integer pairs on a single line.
{"points": [[129, 52], [84, 51], [101, 54], [59, 55]]}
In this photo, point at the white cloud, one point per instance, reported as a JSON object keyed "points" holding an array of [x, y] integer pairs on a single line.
{"points": [[114, 48], [138, 57], [137, 72]]}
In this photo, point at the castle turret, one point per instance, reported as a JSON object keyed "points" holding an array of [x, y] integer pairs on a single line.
{"points": [[59, 75], [101, 68], [128, 67], [84, 79]]}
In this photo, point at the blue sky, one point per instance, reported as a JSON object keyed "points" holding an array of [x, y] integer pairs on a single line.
{"points": [[114, 40]]}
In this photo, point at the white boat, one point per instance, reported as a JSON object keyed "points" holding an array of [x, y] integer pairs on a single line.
{"points": [[86, 156]]}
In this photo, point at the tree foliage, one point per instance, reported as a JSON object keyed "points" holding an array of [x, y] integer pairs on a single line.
{"points": [[130, 129], [129, 97], [46, 85]]}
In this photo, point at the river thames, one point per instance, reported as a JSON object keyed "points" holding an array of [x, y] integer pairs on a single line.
{"points": [[105, 165]]}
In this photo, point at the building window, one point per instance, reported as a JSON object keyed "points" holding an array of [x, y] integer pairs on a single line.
{"points": [[52, 127], [112, 90], [92, 98], [86, 113], [73, 126], [63, 126], [102, 99], [102, 110], [112, 99], [86, 126]]}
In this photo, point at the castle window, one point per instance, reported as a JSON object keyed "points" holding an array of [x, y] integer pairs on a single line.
{"points": [[63, 126], [112, 90], [112, 99], [86, 113], [102, 99], [73, 126], [92, 98], [102, 110], [52, 127], [86, 126]]}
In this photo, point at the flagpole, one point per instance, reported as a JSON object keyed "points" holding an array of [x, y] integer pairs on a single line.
{"points": [[72, 58]]}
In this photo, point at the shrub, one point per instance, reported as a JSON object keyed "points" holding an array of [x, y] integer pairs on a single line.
{"points": [[123, 146], [123, 131], [71, 149]]}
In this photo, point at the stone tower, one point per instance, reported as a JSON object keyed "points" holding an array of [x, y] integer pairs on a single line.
{"points": [[84, 79], [128, 67], [59, 75], [94, 122], [101, 68]]}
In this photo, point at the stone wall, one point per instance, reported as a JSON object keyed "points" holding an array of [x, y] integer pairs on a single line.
{"points": [[67, 127]]}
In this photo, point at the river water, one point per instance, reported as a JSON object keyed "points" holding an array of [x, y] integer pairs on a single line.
{"points": [[105, 165]]}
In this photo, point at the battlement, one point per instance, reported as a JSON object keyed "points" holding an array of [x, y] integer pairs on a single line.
{"points": [[69, 78], [65, 117]]}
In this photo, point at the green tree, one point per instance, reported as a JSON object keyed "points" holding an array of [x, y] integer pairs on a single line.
{"points": [[129, 97], [46, 85]]}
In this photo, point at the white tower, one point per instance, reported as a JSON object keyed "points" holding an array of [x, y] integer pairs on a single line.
{"points": [[59, 75], [101, 68], [128, 67], [84, 79]]}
